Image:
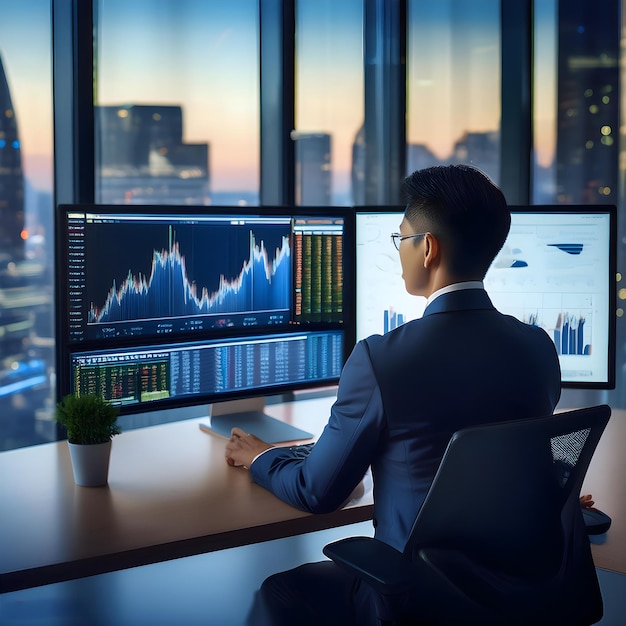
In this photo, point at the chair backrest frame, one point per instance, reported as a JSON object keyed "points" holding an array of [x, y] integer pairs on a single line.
{"points": [[499, 495]]}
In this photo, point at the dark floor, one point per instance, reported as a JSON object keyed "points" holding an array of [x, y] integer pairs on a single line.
{"points": [[209, 589]]}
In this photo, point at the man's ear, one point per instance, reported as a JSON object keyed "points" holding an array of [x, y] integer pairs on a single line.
{"points": [[432, 250]]}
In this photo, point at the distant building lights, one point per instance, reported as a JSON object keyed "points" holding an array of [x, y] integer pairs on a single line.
{"points": [[606, 130], [589, 144], [593, 109], [607, 141], [621, 294], [606, 99], [122, 113]]}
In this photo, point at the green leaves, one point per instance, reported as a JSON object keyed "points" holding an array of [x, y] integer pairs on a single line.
{"points": [[87, 419]]}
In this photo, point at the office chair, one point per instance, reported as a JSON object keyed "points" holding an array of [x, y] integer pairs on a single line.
{"points": [[500, 538]]}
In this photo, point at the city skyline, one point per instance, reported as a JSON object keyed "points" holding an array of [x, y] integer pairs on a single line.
{"points": [[195, 63]]}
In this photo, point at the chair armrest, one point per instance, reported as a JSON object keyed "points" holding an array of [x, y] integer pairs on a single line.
{"points": [[386, 569]]}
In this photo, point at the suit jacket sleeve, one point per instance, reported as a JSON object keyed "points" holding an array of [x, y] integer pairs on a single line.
{"points": [[324, 480]]}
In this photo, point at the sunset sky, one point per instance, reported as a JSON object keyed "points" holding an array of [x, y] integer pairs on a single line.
{"points": [[204, 56]]}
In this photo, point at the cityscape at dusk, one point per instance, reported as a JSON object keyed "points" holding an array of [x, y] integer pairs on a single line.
{"points": [[177, 97], [208, 64]]}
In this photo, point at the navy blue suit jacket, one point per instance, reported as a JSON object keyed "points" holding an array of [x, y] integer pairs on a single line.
{"points": [[401, 397]]}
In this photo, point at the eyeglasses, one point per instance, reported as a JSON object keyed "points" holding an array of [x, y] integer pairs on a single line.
{"points": [[399, 237]]}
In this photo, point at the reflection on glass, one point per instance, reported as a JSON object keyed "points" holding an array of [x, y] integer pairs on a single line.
{"points": [[453, 84], [26, 225], [177, 117], [329, 99]]}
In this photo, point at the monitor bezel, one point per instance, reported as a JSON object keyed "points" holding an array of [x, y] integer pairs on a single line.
{"points": [[591, 209], [611, 209], [65, 348]]}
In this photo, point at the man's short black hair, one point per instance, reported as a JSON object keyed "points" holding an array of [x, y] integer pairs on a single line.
{"points": [[465, 211]]}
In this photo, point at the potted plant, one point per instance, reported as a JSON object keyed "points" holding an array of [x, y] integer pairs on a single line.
{"points": [[91, 423]]}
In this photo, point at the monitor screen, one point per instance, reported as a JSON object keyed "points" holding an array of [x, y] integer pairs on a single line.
{"points": [[382, 302], [556, 270], [166, 306]]}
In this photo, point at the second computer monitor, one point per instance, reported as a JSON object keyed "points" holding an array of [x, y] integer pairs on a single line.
{"points": [[556, 270], [382, 302]]}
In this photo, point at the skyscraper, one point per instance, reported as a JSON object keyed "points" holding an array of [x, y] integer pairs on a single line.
{"points": [[313, 169], [11, 177], [141, 156], [588, 102], [25, 296]]}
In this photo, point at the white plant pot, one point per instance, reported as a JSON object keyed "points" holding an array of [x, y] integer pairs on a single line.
{"points": [[90, 463]]}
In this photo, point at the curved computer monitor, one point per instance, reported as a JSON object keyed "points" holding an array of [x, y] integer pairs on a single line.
{"points": [[556, 270], [161, 307]]}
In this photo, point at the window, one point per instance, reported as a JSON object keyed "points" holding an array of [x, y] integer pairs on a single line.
{"points": [[177, 117], [179, 109], [26, 225], [329, 100], [453, 84]]}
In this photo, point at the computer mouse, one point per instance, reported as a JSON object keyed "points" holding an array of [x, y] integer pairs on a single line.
{"points": [[596, 521]]}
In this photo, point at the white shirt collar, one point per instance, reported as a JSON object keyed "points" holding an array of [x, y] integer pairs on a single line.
{"points": [[470, 284]]}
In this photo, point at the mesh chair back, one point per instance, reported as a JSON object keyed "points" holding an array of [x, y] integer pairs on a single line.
{"points": [[506, 495]]}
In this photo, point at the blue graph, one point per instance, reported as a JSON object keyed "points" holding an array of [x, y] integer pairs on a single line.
{"points": [[391, 320], [569, 335], [263, 284], [569, 248]]}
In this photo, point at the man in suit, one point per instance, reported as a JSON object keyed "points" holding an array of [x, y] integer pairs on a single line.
{"points": [[402, 395]]}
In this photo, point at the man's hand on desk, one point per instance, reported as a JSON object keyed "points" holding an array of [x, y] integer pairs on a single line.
{"points": [[242, 448]]}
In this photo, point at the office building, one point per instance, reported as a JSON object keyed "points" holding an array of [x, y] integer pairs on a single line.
{"points": [[11, 176], [313, 169], [145, 160], [588, 105]]}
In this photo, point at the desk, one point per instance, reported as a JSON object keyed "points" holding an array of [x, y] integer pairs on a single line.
{"points": [[170, 494], [606, 481]]}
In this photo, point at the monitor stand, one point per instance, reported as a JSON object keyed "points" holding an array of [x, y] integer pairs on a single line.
{"points": [[249, 416]]}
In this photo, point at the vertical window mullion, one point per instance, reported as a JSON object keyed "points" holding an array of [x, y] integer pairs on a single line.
{"points": [[72, 50], [385, 100], [277, 41], [516, 94]]}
